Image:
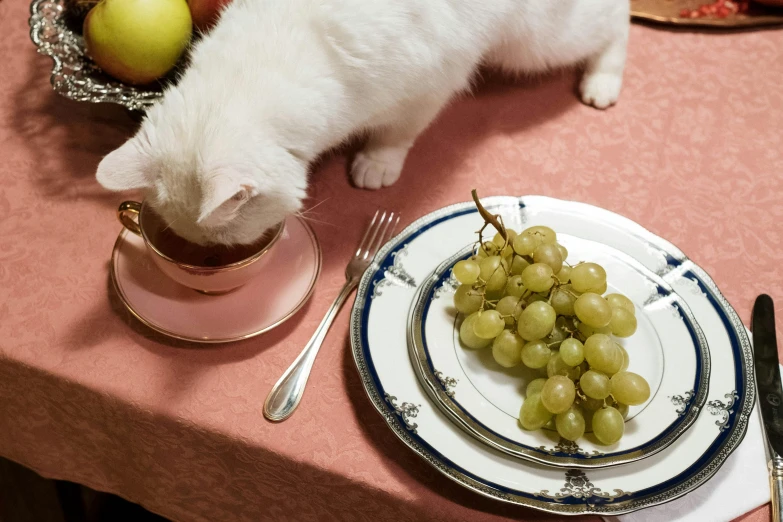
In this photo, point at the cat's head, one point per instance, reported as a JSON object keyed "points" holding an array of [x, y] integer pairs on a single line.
{"points": [[213, 183]]}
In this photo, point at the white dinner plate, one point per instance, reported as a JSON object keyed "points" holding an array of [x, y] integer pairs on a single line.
{"points": [[668, 349], [378, 335]]}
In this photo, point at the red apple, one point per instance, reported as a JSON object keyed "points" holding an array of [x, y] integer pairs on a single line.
{"points": [[206, 12]]}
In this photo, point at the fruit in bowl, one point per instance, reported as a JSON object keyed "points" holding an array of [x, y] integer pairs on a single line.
{"points": [[206, 12], [137, 41]]}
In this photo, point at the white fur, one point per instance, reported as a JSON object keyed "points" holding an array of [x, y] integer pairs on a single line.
{"points": [[224, 155]]}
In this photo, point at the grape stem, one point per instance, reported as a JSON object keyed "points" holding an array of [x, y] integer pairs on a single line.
{"points": [[489, 218]]}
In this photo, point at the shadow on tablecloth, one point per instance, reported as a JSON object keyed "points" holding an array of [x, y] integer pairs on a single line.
{"points": [[66, 139]]}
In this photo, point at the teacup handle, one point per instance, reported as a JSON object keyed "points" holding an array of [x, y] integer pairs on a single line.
{"points": [[126, 213]]}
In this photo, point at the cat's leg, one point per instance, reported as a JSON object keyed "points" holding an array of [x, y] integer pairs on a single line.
{"points": [[603, 76], [380, 163]]}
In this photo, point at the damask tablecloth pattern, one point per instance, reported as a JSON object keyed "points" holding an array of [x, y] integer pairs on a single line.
{"points": [[692, 151]]}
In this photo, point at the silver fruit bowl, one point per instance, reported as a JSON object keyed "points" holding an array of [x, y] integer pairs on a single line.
{"points": [[74, 74]]}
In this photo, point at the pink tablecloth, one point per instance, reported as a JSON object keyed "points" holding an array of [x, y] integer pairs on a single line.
{"points": [[692, 151]]}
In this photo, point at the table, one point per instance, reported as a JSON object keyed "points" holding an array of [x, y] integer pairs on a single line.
{"points": [[692, 151]]}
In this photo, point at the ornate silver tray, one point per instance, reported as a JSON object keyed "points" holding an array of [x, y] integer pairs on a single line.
{"points": [[74, 75]]}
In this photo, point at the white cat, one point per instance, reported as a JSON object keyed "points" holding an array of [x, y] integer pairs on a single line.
{"points": [[224, 155]]}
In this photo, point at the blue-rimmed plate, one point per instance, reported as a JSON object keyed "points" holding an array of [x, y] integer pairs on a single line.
{"points": [[668, 349], [378, 335]]}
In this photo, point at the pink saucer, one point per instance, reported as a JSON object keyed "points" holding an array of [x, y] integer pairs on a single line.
{"points": [[263, 303]]}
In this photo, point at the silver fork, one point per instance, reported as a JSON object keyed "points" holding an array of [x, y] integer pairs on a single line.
{"points": [[287, 392]]}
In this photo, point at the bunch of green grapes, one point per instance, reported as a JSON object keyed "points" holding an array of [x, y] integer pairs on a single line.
{"points": [[518, 296]]}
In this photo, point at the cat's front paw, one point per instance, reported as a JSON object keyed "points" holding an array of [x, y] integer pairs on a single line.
{"points": [[378, 167], [601, 90]]}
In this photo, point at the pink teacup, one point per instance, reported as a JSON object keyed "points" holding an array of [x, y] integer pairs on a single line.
{"points": [[210, 270]]}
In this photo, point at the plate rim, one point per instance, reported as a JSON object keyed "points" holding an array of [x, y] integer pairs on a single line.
{"points": [[739, 341], [425, 375], [219, 340]]}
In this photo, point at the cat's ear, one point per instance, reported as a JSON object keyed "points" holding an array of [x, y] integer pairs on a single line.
{"points": [[223, 195], [124, 169]]}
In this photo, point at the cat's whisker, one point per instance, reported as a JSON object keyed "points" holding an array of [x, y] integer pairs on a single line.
{"points": [[313, 220], [169, 225], [316, 205]]}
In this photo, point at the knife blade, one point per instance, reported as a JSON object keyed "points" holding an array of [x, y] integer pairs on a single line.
{"points": [[770, 394], [765, 354]]}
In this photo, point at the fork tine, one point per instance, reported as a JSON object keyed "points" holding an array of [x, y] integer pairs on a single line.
{"points": [[375, 231], [384, 235], [366, 233]]}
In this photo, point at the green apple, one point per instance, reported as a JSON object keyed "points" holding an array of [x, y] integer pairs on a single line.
{"points": [[137, 41]]}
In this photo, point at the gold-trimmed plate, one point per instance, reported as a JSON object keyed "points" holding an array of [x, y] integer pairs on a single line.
{"points": [[668, 349], [264, 303]]}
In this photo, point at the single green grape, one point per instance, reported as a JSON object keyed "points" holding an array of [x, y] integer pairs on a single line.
{"points": [[500, 242], [507, 348], [467, 300], [508, 307], [488, 324], [620, 301], [593, 310], [602, 354], [518, 264], [630, 388], [550, 255], [558, 394], [546, 234], [556, 336], [624, 409], [588, 277], [536, 321], [536, 354], [525, 244], [617, 364], [538, 277], [572, 351], [563, 252], [564, 275], [556, 366], [533, 415], [623, 322], [626, 358], [514, 286], [466, 271], [493, 271], [488, 249], [562, 300], [468, 337], [592, 404], [587, 331], [608, 425], [534, 386], [570, 424], [595, 385]]}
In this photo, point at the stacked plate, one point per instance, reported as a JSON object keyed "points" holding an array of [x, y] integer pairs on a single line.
{"points": [[458, 409]]}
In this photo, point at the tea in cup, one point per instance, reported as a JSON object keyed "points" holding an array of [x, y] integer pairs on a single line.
{"points": [[214, 269]]}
